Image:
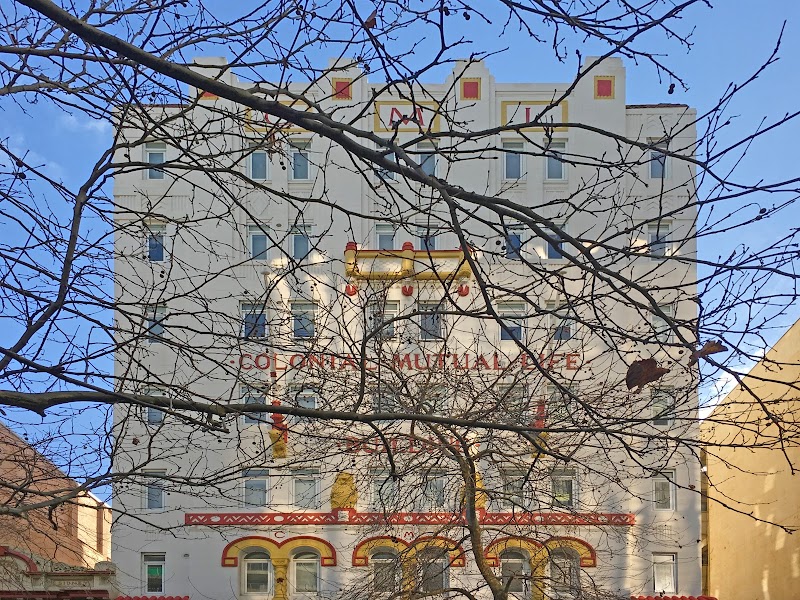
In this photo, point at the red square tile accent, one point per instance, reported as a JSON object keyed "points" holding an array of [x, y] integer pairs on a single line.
{"points": [[342, 89], [471, 90], [604, 87]]}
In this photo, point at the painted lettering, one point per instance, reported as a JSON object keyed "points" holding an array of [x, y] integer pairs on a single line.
{"points": [[262, 362]]}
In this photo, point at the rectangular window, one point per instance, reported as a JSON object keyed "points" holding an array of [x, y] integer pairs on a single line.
{"points": [[153, 572], [664, 490], [385, 401], [513, 319], [433, 399], [302, 397], [306, 489], [663, 404], [306, 574], [385, 236], [513, 160], [258, 165], [257, 242], [154, 489], [386, 174], [301, 241], [514, 241], [513, 491], [433, 494], [563, 484], [555, 245], [381, 317], [430, 321], [155, 317], [255, 487], [561, 327], [254, 321], [303, 320], [658, 240], [433, 564], [384, 492], [153, 415], [662, 327], [252, 396], [156, 243], [659, 167], [426, 157], [561, 406], [555, 168], [427, 237], [513, 402], [155, 153], [301, 166], [665, 580]]}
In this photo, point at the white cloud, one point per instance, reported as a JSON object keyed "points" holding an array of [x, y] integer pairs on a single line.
{"points": [[84, 125]]}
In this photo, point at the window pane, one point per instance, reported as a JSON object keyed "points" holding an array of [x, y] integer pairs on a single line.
{"points": [[513, 161], [255, 492], [658, 240], [662, 405], [258, 165], [514, 246], [257, 576], [155, 578], [254, 321], [427, 238], [300, 164], [658, 164], [385, 237], [303, 320], [154, 416], [555, 245], [155, 495], [258, 242], [306, 576], [155, 323], [427, 158], [430, 322], [305, 492], [384, 492], [252, 397], [664, 573], [662, 493], [384, 575], [563, 491], [155, 154], [555, 168], [155, 243], [301, 245], [513, 571]]}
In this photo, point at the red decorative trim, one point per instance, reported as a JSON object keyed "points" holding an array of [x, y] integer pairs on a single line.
{"points": [[673, 598], [463, 289], [351, 289], [58, 594], [407, 290], [152, 598], [6, 551], [353, 517], [325, 561]]}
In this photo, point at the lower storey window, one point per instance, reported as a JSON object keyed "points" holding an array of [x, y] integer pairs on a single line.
{"points": [[306, 572], [153, 567], [258, 573], [664, 574]]}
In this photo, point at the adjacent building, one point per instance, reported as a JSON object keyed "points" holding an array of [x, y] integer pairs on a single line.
{"points": [[257, 263], [50, 552], [752, 487]]}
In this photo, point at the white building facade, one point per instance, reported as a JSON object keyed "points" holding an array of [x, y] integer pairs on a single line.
{"points": [[259, 263]]}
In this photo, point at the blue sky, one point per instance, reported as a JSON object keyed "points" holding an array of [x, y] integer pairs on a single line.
{"points": [[730, 42]]}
